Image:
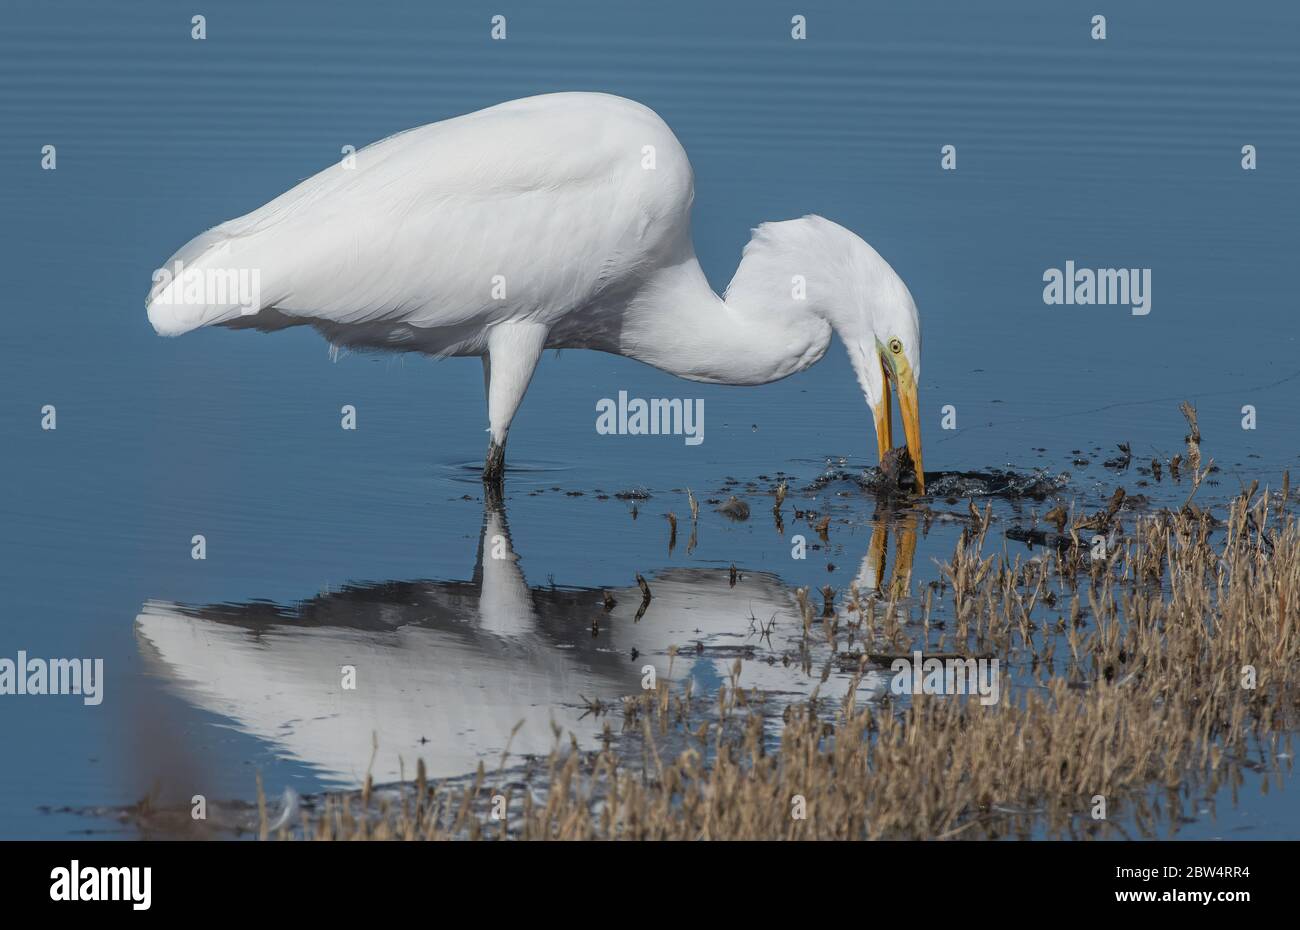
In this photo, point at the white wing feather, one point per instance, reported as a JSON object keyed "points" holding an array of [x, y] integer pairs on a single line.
{"points": [[548, 192]]}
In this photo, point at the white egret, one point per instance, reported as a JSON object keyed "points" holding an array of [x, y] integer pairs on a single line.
{"points": [[557, 221]]}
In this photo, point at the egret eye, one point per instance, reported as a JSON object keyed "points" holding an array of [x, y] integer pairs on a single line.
{"points": [[895, 346]]}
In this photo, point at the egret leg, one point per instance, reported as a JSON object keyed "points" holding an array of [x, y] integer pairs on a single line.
{"points": [[513, 352], [494, 465]]}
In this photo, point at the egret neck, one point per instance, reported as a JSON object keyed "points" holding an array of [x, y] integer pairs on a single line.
{"points": [[798, 281], [678, 324]]}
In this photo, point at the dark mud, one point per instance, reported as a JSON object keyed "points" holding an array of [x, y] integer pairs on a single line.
{"points": [[1037, 485]]}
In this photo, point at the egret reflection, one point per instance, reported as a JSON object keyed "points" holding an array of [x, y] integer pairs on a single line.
{"points": [[453, 672]]}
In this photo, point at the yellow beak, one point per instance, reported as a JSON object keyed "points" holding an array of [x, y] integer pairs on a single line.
{"points": [[884, 416], [907, 404]]}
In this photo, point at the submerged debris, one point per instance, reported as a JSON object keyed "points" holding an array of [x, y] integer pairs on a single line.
{"points": [[1005, 484], [645, 598], [1057, 517], [1123, 460], [734, 508], [1101, 520]]}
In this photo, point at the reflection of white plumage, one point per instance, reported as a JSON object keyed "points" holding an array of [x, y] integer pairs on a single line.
{"points": [[446, 670], [554, 221]]}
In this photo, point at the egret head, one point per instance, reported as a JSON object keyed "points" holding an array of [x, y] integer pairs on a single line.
{"points": [[840, 280], [888, 360], [875, 316]]}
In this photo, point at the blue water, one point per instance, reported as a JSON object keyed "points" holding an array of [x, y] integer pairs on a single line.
{"points": [[1121, 153]]}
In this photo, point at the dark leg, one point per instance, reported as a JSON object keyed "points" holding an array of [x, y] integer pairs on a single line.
{"points": [[494, 466]]}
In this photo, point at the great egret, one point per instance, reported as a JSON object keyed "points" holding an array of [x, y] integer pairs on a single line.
{"points": [[556, 221]]}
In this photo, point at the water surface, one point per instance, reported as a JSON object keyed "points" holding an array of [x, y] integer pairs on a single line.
{"points": [[325, 545]]}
